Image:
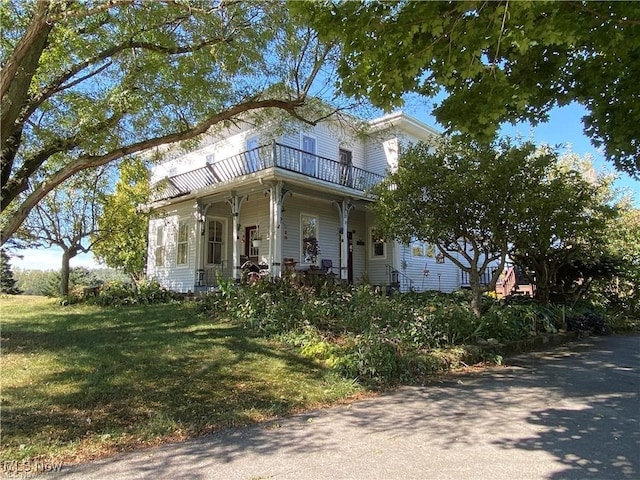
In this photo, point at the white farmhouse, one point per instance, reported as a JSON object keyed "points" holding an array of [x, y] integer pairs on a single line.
{"points": [[295, 201]]}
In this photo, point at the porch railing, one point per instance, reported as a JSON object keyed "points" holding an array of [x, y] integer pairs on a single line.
{"points": [[485, 278], [261, 158], [398, 281]]}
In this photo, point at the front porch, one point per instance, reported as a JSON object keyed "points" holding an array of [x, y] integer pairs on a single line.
{"points": [[240, 199], [274, 232]]}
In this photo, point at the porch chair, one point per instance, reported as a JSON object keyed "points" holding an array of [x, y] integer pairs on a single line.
{"points": [[327, 265]]}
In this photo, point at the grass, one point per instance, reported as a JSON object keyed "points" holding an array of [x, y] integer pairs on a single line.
{"points": [[82, 382]]}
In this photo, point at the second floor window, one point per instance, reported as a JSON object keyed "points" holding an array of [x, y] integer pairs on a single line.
{"points": [[309, 157], [253, 157]]}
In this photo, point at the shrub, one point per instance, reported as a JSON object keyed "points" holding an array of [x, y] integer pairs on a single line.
{"points": [[118, 293]]}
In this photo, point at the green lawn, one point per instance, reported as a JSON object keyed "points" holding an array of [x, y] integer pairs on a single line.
{"points": [[80, 382]]}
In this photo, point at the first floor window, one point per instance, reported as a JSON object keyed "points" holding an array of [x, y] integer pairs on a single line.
{"points": [[378, 246], [417, 249], [214, 242], [182, 244], [159, 251], [254, 248], [310, 246]]}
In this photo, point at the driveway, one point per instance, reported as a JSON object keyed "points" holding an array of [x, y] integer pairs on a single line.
{"points": [[569, 413]]}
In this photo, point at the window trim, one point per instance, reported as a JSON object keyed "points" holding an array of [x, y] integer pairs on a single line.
{"points": [[159, 250], [303, 259], [183, 222], [372, 255], [223, 242], [314, 154]]}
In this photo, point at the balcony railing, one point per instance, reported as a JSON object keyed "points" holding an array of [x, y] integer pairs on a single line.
{"points": [[262, 158]]}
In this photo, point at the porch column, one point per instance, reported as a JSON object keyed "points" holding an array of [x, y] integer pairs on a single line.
{"points": [[199, 226], [344, 208], [235, 202], [201, 217], [277, 193]]}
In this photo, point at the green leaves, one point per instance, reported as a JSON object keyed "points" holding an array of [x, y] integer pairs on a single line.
{"points": [[121, 237], [106, 79], [498, 62]]}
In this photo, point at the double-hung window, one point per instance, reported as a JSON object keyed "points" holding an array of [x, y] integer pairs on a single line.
{"points": [[308, 155], [159, 250], [182, 249], [253, 157], [378, 245], [310, 234], [214, 242]]}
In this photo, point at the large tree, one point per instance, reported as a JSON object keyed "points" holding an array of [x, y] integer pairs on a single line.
{"points": [[67, 217], [496, 61], [462, 196], [561, 238], [86, 83], [121, 237], [623, 242]]}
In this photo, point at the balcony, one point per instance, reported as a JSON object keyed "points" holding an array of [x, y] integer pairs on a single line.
{"points": [[263, 158]]}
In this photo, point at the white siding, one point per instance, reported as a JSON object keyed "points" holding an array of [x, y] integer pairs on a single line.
{"points": [[442, 276], [381, 155], [329, 225], [176, 277], [377, 268], [377, 152]]}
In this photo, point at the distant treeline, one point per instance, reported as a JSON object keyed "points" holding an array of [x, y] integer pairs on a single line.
{"points": [[47, 282]]}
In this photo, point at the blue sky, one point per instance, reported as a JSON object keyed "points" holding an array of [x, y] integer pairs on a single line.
{"points": [[564, 127]]}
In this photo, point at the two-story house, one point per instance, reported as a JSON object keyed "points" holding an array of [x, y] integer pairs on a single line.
{"points": [[296, 200]]}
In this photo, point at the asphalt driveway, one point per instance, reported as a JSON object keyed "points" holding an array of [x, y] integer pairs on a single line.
{"points": [[569, 413]]}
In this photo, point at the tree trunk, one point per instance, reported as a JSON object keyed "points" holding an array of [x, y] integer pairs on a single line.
{"points": [[65, 272], [476, 292], [543, 284]]}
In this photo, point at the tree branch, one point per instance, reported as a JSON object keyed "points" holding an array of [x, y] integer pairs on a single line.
{"points": [[91, 161]]}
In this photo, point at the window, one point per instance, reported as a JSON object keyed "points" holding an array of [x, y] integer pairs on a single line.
{"points": [[310, 234], [378, 245], [431, 250], [254, 241], [346, 162], [309, 157], [214, 242], [182, 251], [253, 158], [159, 250]]}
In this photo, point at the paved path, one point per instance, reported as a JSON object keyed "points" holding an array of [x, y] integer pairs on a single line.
{"points": [[570, 413]]}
